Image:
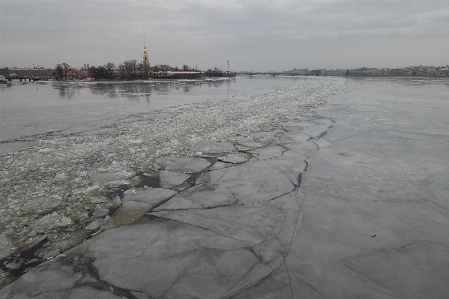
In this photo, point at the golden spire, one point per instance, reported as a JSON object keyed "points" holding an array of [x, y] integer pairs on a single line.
{"points": [[145, 60]]}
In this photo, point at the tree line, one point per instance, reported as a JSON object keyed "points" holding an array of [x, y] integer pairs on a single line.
{"points": [[128, 70]]}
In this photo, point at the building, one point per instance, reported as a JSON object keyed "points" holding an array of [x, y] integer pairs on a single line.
{"points": [[336, 72], [145, 60], [185, 75], [315, 72], [397, 72], [82, 74], [357, 72], [443, 72], [296, 71], [4, 72], [37, 73]]}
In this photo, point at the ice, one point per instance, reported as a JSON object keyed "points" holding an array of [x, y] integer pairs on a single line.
{"points": [[6, 246], [87, 292], [106, 177], [130, 212], [313, 130], [297, 137], [48, 279], [249, 143], [265, 136], [136, 204], [59, 184], [183, 164], [60, 176], [171, 179], [151, 196], [198, 197], [251, 182], [214, 147], [234, 158], [370, 204], [259, 224], [219, 165], [322, 143]]}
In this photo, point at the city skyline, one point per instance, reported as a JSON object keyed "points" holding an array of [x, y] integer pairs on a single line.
{"points": [[251, 35]]}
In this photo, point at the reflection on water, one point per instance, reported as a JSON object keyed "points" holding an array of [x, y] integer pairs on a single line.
{"points": [[32, 108], [407, 81], [134, 90], [148, 102], [45, 107], [434, 88], [67, 91]]}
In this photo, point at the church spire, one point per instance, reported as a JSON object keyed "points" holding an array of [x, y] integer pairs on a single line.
{"points": [[145, 60]]}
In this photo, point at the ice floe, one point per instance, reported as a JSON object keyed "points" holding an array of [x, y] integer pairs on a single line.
{"points": [[58, 190]]}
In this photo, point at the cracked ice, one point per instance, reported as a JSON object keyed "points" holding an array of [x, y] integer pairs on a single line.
{"points": [[59, 190]]}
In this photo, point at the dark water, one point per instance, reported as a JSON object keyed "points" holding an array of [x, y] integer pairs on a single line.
{"points": [[38, 108]]}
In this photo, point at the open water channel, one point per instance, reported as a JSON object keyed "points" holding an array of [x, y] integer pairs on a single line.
{"points": [[42, 107]]}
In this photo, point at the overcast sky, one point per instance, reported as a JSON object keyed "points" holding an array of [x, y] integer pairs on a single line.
{"points": [[259, 35]]}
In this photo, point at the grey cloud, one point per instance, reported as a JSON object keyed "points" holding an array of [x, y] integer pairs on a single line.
{"points": [[253, 34]]}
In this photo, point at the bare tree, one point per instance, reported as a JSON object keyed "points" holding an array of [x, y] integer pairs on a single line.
{"points": [[127, 70], [93, 72], [58, 73], [110, 70], [143, 70], [122, 72], [133, 64], [66, 68]]}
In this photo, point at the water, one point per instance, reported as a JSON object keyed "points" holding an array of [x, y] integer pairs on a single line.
{"points": [[42, 107], [53, 185], [58, 188]]}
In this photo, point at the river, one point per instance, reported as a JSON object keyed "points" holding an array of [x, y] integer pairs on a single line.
{"points": [[42, 107], [71, 151]]}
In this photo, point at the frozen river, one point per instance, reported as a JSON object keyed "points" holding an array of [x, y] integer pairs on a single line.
{"points": [[67, 161], [42, 107], [257, 186]]}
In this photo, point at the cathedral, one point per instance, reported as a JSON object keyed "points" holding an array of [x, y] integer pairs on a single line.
{"points": [[145, 60]]}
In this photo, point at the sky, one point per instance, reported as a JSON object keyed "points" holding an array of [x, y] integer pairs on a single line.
{"points": [[256, 35]]}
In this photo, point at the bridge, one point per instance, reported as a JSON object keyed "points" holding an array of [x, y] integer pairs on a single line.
{"points": [[274, 74], [24, 78]]}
